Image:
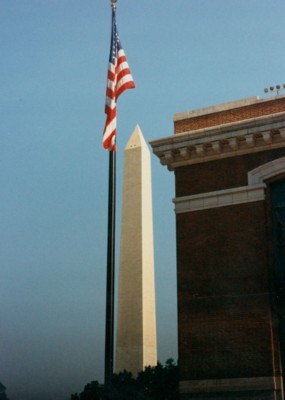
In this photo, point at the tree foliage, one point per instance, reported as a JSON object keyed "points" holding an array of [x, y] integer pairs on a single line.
{"points": [[160, 382], [3, 395], [153, 383]]}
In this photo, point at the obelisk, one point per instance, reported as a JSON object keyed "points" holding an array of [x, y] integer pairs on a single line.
{"points": [[136, 345]]}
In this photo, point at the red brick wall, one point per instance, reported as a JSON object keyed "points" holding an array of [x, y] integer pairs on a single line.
{"points": [[223, 284], [224, 117]]}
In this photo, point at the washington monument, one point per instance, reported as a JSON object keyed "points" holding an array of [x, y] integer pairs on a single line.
{"points": [[136, 330]]}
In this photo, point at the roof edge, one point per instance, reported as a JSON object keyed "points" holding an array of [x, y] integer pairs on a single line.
{"points": [[222, 107]]}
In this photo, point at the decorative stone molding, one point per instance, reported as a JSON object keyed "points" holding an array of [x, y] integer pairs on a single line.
{"points": [[267, 171], [228, 140], [255, 191], [220, 198], [231, 385]]}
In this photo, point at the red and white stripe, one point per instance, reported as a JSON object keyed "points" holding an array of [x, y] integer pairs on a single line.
{"points": [[119, 79]]}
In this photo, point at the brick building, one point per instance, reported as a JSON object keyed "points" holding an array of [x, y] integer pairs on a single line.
{"points": [[229, 166]]}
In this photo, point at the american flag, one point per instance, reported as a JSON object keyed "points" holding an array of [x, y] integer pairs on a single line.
{"points": [[119, 79]]}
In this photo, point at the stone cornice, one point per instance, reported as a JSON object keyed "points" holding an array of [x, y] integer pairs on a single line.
{"points": [[228, 140]]}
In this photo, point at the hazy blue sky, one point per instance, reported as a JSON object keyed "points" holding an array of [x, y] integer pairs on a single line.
{"points": [[184, 54]]}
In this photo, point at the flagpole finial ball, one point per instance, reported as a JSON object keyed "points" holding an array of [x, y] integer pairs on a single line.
{"points": [[114, 1]]}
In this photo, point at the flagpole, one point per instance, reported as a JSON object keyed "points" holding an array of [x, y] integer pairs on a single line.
{"points": [[110, 278], [109, 332], [119, 79]]}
